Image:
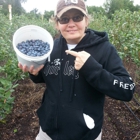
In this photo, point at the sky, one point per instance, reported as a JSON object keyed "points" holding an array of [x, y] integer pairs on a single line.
{"points": [[44, 5]]}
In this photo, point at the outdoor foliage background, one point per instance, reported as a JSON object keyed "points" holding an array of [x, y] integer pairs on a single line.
{"points": [[123, 29]]}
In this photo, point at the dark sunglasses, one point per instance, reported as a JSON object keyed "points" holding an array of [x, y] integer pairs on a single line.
{"points": [[65, 20]]}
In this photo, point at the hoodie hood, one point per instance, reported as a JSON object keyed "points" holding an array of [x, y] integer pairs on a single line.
{"points": [[92, 38]]}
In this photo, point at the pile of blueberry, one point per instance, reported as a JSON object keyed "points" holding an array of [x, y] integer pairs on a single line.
{"points": [[33, 48]]}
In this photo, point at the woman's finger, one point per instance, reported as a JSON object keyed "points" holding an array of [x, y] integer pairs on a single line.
{"points": [[25, 68], [74, 53], [19, 65]]}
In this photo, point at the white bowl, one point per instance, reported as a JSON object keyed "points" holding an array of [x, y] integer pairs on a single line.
{"points": [[32, 32]]}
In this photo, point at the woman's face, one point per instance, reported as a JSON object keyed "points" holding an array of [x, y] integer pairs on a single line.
{"points": [[72, 31]]}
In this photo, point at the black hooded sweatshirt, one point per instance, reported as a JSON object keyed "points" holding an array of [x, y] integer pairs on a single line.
{"points": [[70, 93]]}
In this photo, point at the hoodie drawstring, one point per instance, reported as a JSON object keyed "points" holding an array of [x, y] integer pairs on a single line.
{"points": [[60, 72], [72, 86]]}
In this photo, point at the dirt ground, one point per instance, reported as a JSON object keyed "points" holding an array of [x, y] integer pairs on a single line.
{"points": [[22, 123]]}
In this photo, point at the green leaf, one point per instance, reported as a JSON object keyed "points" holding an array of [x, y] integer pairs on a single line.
{"points": [[15, 130]]}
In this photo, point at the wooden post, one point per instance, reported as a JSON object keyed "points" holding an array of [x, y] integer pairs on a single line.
{"points": [[10, 12]]}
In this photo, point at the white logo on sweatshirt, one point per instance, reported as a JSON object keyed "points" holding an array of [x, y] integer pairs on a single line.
{"points": [[55, 67], [57, 62], [69, 70], [124, 85]]}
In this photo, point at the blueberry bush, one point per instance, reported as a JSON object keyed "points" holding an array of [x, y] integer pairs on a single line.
{"points": [[9, 72], [123, 30]]}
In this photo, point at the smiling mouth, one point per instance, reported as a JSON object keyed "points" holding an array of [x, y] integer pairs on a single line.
{"points": [[71, 31]]}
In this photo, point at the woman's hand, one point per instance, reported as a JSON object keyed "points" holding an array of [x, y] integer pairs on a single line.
{"points": [[80, 58], [31, 70]]}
